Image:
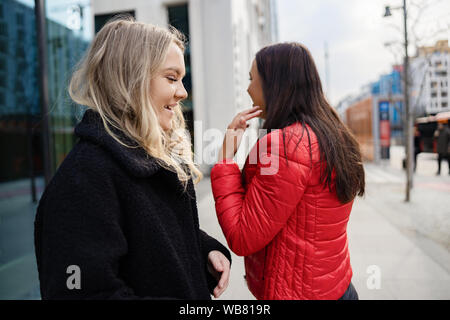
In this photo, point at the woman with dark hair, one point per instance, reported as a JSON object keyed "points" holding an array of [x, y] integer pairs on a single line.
{"points": [[287, 212]]}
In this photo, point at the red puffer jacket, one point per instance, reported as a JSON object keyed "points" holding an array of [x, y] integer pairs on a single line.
{"points": [[290, 227]]}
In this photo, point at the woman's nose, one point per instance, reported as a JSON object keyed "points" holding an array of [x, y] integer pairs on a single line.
{"points": [[181, 92]]}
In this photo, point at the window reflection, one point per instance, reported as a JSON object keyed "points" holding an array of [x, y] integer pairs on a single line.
{"points": [[179, 18], [21, 161]]}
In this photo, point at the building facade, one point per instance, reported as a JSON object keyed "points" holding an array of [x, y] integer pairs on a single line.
{"points": [[359, 121], [430, 77], [389, 88], [223, 37], [375, 115]]}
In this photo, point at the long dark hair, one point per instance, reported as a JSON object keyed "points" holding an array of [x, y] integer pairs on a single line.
{"points": [[293, 93]]}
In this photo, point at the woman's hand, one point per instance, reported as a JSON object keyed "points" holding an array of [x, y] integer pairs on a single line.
{"points": [[235, 131], [219, 267]]}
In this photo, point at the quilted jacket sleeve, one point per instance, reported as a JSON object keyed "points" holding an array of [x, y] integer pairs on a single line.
{"points": [[251, 218]]}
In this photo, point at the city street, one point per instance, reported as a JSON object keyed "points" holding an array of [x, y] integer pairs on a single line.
{"points": [[398, 250], [156, 74], [406, 244]]}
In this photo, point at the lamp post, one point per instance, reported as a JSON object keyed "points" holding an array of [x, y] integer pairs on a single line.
{"points": [[408, 121], [39, 9]]}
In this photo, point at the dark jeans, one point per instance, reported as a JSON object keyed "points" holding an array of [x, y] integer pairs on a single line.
{"points": [[443, 157], [350, 293], [415, 160]]}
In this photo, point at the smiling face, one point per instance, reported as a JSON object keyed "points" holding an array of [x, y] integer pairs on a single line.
{"points": [[166, 87], [255, 89]]}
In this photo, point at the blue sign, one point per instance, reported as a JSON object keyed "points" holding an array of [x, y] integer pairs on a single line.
{"points": [[384, 110]]}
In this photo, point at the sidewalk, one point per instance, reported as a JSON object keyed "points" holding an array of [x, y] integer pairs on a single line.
{"points": [[384, 231], [406, 245], [237, 288]]}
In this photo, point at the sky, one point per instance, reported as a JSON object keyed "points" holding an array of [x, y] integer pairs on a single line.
{"points": [[356, 33]]}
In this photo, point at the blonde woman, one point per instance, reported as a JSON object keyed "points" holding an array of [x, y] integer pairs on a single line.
{"points": [[119, 219]]}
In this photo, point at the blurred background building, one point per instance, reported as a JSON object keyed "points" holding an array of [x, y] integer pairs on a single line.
{"points": [[430, 75], [223, 37], [377, 128], [361, 113]]}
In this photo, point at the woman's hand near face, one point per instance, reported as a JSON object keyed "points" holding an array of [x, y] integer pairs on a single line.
{"points": [[235, 131]]}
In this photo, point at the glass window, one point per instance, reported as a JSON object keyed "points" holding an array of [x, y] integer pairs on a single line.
{"points": [[20, 18], [101, 19], [3, 46], [179, 18], [3, 29], [2, 80], [21, 166], [68, 35]]}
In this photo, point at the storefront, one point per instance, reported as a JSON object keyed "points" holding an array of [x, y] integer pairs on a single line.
{"points": [[68, 32]]}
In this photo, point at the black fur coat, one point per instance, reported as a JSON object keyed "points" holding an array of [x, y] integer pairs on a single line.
{"points": [[124, 221]]}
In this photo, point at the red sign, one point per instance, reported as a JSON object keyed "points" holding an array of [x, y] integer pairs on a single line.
{"points": [[385, 133]]}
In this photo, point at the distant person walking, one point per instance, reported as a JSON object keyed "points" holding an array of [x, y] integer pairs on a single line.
{"points": [[442, 134], [287, 212], [417, 149], [119, 219]]}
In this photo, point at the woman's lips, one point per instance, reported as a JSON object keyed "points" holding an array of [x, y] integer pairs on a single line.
{"points": [[170, 108]]}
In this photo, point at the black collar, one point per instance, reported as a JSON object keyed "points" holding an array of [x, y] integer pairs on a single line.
{"points": [[135, 160]]}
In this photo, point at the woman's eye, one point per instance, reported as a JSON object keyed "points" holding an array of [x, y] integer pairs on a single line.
{"points": [[171, 79]]}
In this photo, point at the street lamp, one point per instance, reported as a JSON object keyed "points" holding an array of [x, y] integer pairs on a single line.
{"points": [[388, 12], [409, 120], [39, 10]]}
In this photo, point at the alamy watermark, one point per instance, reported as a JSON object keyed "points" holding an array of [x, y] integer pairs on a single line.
{"points": [[374, 280], [74, 280], [208, 143]]}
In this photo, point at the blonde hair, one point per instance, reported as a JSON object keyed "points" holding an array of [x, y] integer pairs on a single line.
{"points": [[113, 79]]}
